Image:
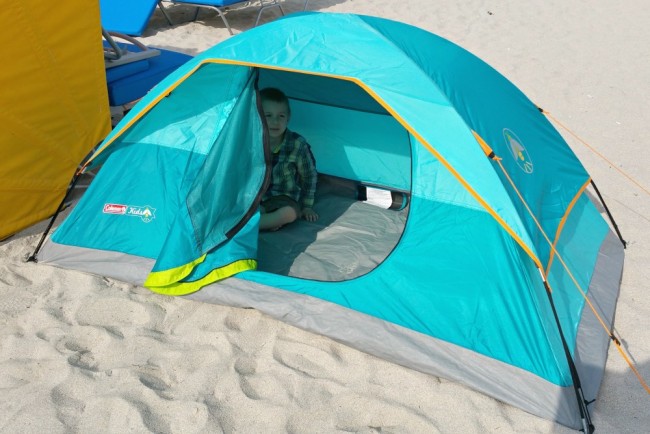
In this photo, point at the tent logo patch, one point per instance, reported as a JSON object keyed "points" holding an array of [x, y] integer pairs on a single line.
{"points": [[114, 208], [146, 212], [518, 151]]}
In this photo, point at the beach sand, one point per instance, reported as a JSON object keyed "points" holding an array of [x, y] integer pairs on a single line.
{"points": [[86, 354]]}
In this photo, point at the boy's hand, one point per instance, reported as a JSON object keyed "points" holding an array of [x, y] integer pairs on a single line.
{"points": [[309, 214]]}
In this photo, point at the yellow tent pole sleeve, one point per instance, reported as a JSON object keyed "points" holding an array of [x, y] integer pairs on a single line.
{"points": [[486, 148]]}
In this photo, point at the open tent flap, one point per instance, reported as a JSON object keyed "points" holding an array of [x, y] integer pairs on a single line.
{"points": [[188, 118], [214, 227], [155, 195]]}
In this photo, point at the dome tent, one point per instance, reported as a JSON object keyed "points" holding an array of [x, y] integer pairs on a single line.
{"points": [[485, 282]]}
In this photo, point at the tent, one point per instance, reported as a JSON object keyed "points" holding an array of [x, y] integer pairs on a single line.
{"points": [[482, 278], [53, 104]]}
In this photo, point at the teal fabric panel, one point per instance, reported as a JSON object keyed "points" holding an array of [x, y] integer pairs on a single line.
{"points": [[312, 45], [578, 247], [194, 113], [111, 214], [241, 246], [192, 116], [232, 177], [368, 147], [457, 276], [433, 181], [453, 143], [189, 117], [324, 90], [180, 246], [224, 189], [536, 157]]}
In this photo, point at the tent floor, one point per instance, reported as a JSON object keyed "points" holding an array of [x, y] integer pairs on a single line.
{"points": [[349, 239]]}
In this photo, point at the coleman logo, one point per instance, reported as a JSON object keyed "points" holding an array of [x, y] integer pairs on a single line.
{"points": [[518, 151], [113, 208], [146, 213]]}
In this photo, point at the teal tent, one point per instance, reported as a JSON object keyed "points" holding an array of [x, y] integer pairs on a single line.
{"points": [[481, 275]]}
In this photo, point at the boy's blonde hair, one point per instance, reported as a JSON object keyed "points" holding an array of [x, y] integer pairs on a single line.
{"points": [[275, 95]]}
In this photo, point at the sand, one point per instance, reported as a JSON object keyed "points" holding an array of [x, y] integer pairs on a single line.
{"points": [[86, 354]]}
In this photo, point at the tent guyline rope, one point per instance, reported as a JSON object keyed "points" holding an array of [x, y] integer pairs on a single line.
{"points": [[608, 329], [592, 149]]}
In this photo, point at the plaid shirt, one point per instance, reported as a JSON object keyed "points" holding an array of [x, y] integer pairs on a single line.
{"points": [[293, 171]]}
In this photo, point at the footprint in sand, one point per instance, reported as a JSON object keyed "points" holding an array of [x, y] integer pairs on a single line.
{"points": [[242, 320], [84, 360], [312, 361], [111, 312], [78, 339], [159, 379], [167, 416], [110, 414]]}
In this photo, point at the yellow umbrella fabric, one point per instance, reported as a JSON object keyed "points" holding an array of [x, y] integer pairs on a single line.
{"points": [[53, 104]]}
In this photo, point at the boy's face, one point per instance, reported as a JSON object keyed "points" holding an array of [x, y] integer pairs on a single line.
{"points": [[277, 117]]}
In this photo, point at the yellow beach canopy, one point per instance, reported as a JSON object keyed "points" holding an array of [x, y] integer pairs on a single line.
{"points": [[53, 104]]}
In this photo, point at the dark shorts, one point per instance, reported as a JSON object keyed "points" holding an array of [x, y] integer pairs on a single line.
{"points": [[277, 202]]}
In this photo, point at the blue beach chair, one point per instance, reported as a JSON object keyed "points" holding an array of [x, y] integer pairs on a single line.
{"points": [[133, 69], [131, 17], [221, 6], [127, 16]]}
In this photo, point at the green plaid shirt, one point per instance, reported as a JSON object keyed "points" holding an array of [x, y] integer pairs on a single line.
{"points": [[293, 171]]}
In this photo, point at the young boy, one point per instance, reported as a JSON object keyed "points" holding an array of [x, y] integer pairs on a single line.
{"points": [[293, 175]]}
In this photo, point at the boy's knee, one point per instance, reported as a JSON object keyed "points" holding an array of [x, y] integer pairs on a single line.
{"points": [[288, 214]]}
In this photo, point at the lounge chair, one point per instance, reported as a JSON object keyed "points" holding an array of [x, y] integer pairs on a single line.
{"points": [[133, 69], [221, 6], [127, 16]]}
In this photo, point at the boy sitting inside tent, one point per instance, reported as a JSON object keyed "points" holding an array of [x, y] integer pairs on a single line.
{"points": [[293, 175]]}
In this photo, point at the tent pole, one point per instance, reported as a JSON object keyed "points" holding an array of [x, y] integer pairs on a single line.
{"points": [[587, 426], [71, 186], [609, 214]]}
